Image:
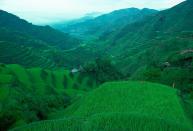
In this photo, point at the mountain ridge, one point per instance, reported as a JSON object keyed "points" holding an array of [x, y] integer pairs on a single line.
{"points": [[108, 22], [44, 33]]}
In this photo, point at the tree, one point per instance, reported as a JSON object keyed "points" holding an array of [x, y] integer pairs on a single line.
{"points": [[102, 70]]}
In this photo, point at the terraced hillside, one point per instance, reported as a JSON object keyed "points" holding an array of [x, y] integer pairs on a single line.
{"points": [[24, 55], [122, 106], [28, 95], [30, 45], [163, 30]]}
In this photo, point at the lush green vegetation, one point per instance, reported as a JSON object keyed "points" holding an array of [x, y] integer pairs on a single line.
{"points": [[30, 45], [28, 95], [123, 106], [102, 70], [50, 80]]}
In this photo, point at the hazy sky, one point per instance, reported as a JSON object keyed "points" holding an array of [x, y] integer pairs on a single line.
{"points": [[46, 11]]}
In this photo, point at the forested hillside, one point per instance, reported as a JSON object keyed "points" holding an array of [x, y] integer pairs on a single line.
{"points": [[13, 25], [31, 45]]}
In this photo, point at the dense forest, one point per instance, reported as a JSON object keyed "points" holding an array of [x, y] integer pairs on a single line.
{"points": [[130, 69]]}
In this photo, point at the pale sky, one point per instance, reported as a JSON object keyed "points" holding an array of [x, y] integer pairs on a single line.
{"points": [[49, 11]]}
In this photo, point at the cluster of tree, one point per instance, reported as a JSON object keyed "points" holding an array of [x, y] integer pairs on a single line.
{"points": [[30, 108], [102, 70]]}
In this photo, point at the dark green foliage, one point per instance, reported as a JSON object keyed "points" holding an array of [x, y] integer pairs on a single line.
{"points": [[90, 82], [75, 86], [71, 75], [102, 70], [53, 80], [173, 76], [65, 81], [6, 119], [80, 79], [44, 74]]}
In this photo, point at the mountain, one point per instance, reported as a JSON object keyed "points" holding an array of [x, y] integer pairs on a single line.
{"points": [[164, 22], [140, 41], [154, 40], [152, 33], [95, 31], [107, 23], [46, 34], [63, 24], [31, 45]]}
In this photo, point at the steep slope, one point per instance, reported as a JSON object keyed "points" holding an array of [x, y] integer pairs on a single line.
{"points": [[31, 45], [166, 22], [107, 23], [46, 34], [123, 106], [132, 45]]}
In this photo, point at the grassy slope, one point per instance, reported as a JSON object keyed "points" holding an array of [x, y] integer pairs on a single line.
{"points": [[25, 92], [123, 106], [61, 80]]}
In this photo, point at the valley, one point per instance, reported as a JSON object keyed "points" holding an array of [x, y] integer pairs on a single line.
{"points": [[130, 69]]}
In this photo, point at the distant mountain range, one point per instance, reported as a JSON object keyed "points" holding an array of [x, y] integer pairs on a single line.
{"points": [[134, 38], [63, 24], [107, 23]]}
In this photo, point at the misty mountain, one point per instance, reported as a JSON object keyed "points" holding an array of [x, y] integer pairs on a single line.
{"points": [[107, 23], [133, 45]]}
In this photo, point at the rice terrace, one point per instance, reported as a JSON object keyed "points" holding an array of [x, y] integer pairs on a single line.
{"points": [[104, 65]]}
